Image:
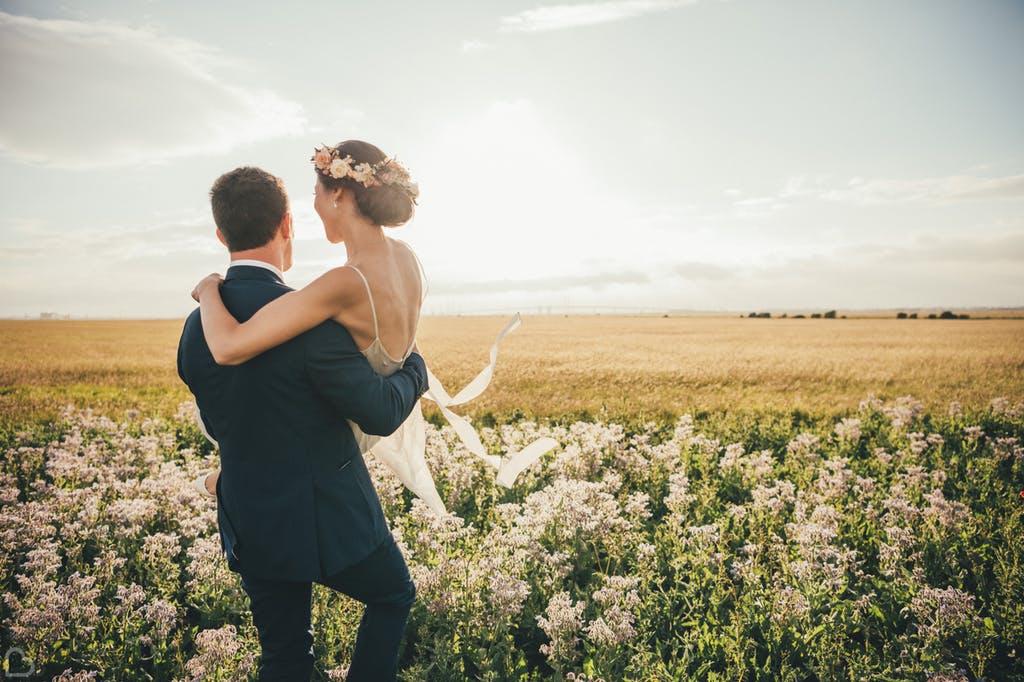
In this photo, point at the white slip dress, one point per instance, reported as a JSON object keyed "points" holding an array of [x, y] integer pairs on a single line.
{"points": [[404, 451]]}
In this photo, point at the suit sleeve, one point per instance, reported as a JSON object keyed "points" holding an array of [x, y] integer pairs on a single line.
{"points": [[343, 377], [186, 347]]}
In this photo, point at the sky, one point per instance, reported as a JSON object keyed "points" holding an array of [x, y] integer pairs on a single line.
{"points": [[648, 155]]}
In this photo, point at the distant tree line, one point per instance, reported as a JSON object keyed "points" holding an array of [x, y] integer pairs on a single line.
{"points": [[944, 315], [830, 315]]}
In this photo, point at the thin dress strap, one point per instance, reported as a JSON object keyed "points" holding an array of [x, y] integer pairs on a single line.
{"points": [[373, 308]]}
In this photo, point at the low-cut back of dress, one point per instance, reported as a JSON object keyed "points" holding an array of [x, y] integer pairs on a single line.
{"points": [[375, 354], [404, 451]]}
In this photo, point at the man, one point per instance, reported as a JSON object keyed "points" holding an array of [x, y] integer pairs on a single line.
{"points": [[295, 503]]}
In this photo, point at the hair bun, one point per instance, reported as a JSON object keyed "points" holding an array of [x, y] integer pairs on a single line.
{"points": [[387, 205]]}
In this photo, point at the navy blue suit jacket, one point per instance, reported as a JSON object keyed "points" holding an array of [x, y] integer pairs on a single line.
{"points": [[294, 498]]}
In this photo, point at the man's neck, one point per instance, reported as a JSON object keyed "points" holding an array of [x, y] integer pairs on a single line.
{"points": [[268, 256]]}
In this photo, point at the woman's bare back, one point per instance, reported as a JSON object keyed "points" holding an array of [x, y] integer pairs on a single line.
{"points": [[385, 317]]}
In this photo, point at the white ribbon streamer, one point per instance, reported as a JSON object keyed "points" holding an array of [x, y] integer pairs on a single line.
{"points": [[510, 466], [516, 462], [475, 387]]}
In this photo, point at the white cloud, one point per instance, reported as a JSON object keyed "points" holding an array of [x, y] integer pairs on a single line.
{"points": [[474, 45], [924, 190], [702, 271], [758, 207], [339, 119], [84, 94], [1005, 248], [559, 17], [145, 270], [188, 234]]}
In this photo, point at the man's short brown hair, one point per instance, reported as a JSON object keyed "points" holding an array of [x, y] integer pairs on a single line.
{"points": [[248, 205]]}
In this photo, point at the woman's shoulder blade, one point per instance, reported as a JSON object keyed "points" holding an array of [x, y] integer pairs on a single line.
{"points": [[342, 282]]}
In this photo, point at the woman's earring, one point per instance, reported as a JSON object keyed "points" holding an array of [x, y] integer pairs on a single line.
{"points": [[335, 204]]}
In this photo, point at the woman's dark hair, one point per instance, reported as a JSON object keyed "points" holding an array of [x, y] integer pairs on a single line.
{"points": [[387, 205], [248, 204]]}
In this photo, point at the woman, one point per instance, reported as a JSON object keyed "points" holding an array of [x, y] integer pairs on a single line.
{"points": [[377, 295]]}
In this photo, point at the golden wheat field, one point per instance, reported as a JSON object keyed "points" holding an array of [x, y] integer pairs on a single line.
{"points": [[556, 366]]}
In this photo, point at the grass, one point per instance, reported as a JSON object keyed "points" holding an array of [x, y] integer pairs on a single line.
{"points": [[612, 367], [83, 488]]}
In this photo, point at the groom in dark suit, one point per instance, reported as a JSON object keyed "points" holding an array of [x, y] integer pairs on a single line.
{"points": [[295, 504]]}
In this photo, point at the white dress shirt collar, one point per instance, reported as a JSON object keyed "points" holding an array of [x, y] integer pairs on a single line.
{"points": [[258, 264]]}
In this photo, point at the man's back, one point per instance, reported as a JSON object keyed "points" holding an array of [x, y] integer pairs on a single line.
{"points": [[295, 501]]}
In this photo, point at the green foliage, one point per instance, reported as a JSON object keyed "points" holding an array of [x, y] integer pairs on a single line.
{"points": [[779, 545]]}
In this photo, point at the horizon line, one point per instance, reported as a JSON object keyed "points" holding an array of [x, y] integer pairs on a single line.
{"points": [[544, 311]]}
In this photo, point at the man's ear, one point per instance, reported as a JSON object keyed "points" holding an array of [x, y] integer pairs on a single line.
{"points": [[220, 236], [285, 227]]}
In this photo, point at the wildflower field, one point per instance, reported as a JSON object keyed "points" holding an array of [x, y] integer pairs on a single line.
{"points": [[852, 538]]}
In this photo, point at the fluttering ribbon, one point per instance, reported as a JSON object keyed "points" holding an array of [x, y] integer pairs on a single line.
{"points": [[404, 452], [514, 463]]}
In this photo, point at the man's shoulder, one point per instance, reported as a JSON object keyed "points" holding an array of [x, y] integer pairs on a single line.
{"points": [[193, 324]]}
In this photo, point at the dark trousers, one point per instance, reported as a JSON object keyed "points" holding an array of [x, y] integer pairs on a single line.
{"points": [[282, 615]]}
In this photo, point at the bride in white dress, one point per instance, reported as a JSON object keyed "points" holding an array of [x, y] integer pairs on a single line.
{"points": [[377, 295]]}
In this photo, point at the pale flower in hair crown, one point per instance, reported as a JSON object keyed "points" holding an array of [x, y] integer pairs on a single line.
{"points": [[329, 162]]}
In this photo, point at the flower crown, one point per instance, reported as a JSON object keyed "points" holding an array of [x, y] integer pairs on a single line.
{"points": [[328, 161]]}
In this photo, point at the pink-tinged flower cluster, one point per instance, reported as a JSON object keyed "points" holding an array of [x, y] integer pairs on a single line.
{"points": [[948, 514], [507, 594], [616, 600], [848, 431], [1008, 447], [805, 448], [571, 509], [751, 468], [773, 499], [561, 622], [900, 412], [339, 674], [949, 676], [834, 478], [899, 551], [70, 675], [790, 604], [941, 612], [1003, 407], [679, 498], [218, 650], [582, 677]]}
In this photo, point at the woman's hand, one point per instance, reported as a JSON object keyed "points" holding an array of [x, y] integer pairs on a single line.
{"points": [[211, 280]]}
